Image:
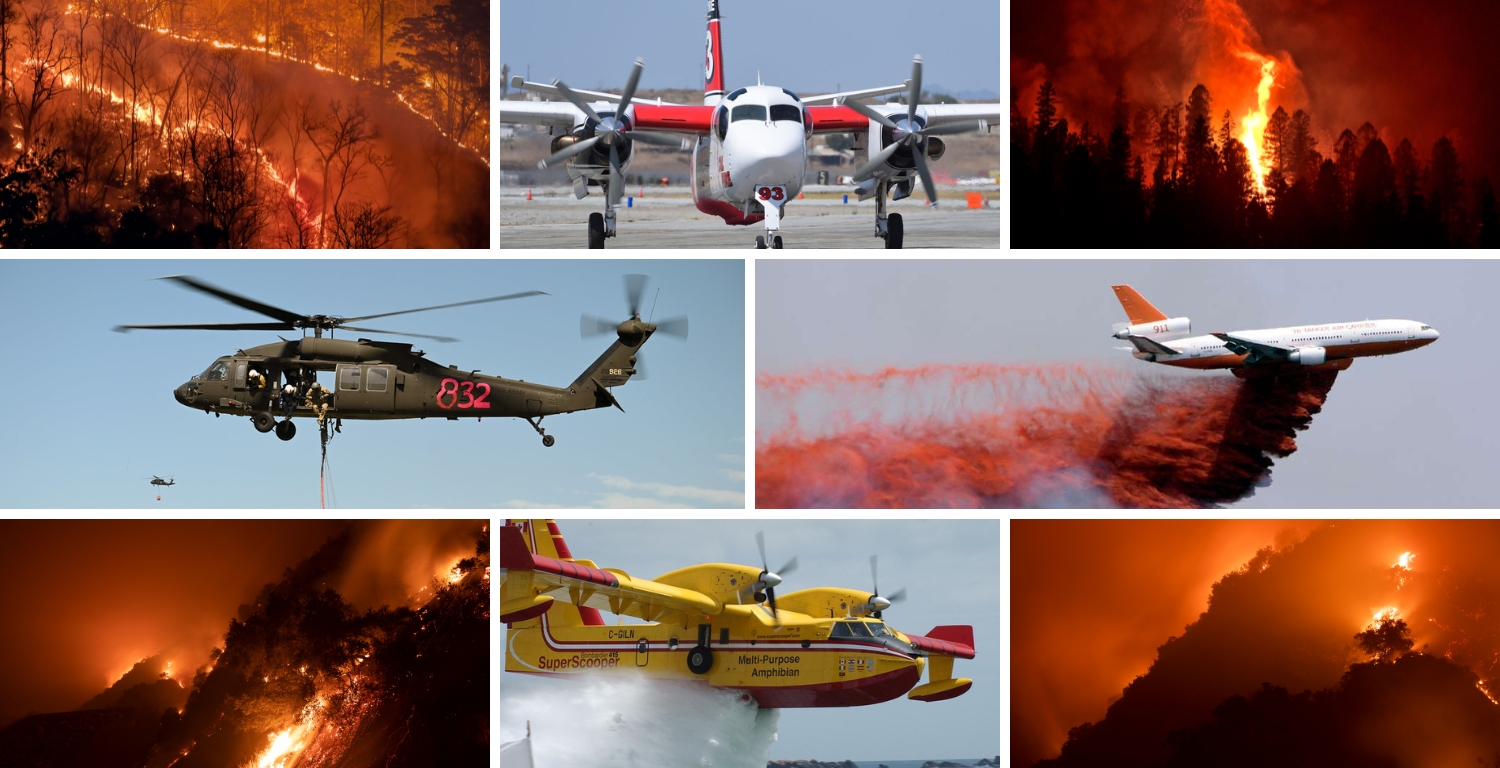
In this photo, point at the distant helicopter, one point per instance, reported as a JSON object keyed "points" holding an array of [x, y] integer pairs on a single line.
{"points": [[388, 380], [156, 480]]}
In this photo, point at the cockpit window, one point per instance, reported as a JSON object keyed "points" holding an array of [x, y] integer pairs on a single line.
{"points": [[736, 94], [219, 371], [786, 112], [748, 112], [851, 629], [1426, 327], [879, 629]]}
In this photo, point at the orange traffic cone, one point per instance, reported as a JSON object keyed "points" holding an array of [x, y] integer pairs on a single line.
{"points": [[528, 193], [643, 191], [799, 195]]}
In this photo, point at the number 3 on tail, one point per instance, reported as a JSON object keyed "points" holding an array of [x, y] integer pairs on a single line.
{"points": [[450, 389]]}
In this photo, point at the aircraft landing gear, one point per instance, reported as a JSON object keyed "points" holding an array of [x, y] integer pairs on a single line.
{"points": [[760, 242], [264, 422], [776, 243], [887, 227], [547, 440], [894, 231], [596, 230], [286, 430], [700, 660]]}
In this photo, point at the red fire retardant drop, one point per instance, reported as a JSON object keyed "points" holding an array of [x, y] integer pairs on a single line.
{"points": [[1017, 436]]}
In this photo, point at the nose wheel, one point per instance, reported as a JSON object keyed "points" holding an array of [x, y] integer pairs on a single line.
{"points": [[760, 241], [547, 440]]}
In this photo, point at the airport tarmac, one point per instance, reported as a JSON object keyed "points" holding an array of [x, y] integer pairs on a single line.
{"points": [[555, 219]]}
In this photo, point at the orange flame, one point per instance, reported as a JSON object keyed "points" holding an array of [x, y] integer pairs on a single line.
{"points": [[1254, 124]]}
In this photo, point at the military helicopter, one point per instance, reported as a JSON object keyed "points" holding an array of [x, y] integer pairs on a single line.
{"points": [[389, 380], [156, 480]]}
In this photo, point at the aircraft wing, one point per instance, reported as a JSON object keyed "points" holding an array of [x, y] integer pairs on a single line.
{"points": [[694, 119], [837, 119], [943, 114], [606, 590], [838, 98], [556, 114], [1257, 352], [1151, 345], [523, 84]]}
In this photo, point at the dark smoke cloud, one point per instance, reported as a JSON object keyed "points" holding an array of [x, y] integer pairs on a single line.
{"points": [[1026, 436], [1286, 618], [1413, 69]]}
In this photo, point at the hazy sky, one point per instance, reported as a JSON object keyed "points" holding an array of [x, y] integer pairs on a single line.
{"points": [[921, 555], [92, 417], [1409, 430], [807, 47]]}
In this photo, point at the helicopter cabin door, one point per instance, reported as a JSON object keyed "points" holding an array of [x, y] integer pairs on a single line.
{"points": [[365, 389]]}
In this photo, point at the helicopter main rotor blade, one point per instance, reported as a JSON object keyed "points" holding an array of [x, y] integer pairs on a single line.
{"points": [[237, 300], [506, 297], [635, 285], [399, 333], [209, 327]]}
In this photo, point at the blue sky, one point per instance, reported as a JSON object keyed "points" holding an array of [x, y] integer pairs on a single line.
{"points": [[1413, 430], [809, 47], [90, 414], [951, 572]]}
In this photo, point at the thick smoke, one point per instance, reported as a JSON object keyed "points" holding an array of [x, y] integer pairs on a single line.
{"points": [[1025, 436], [1413, 69], [1231, 684], [636, 722]]}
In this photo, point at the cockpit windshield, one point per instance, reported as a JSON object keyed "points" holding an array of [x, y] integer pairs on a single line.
{"points": [[748, 112], [786, 112], [1426, 327], [219, 371], [879, 629], [851, 629]]}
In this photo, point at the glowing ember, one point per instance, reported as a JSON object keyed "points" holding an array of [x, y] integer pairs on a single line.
{"points": [[1405, 560], [1254, 124], [1485, 690]]}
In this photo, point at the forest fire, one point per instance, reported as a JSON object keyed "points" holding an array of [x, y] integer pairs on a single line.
{"points": [[1254, 135], [990, 435], [1276, 665]]}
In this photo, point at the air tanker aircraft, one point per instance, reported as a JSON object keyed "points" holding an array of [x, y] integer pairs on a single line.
{"points": [[1157, 338], [750, 153]]}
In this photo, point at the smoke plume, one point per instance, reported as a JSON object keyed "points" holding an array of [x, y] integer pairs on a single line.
{"points": [[1025, 436], [638, 722]]}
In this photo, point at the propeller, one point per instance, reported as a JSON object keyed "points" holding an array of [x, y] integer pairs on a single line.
{"points": [[768, 580], [635, 288], [292, 321], [876, 603], [613, 131], [907, 134]]}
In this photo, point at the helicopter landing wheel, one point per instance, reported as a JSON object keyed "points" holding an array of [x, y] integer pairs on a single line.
{"points": [[760, 242], [548, 440], [286, 430], [263, 421]]}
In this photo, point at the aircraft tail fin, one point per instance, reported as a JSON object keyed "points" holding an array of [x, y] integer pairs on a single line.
{"points": [[521, 605], [713, 59], [612, 369], [1136, 307]]}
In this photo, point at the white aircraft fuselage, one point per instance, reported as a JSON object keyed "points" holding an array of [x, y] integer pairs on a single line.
{"points": [[1340, 341]]}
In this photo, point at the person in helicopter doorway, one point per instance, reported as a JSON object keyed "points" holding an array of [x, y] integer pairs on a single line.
{"points": [[289, 398], [257, 380], [317, 400]]}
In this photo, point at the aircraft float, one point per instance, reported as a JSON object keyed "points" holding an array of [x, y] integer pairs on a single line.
{"points": [[750, 146], [1156, 338], [717, 623]]}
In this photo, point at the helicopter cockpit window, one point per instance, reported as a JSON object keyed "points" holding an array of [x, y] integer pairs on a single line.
{"points": [[376, 381], [349, 378], [219, 371]]}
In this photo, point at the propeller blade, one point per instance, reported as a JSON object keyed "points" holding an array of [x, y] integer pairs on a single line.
{"points": [[635, 287], [674, 326], [867, 111], [771, 599], [640, 367], [616, 178], [918, 155], [593, 325], [916, 90], [399, 333], [897, 596], [506, 297], [874, 582], [635, 77], [236, 299], [791, 565], [576, 100], [209, 327], [567, 152], [943, 130], [868, 169], [660, 139], [760, 541]]}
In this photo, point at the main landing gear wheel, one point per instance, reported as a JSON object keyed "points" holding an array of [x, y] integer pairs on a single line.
{"points": [[893, 231], [777, 242], [760, 241], [286, 430], [596, 230], [263, 421], [548, 440], [700, 660]]}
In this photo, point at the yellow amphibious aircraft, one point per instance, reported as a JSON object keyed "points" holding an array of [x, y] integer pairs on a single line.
{"points": [[718, 623]]}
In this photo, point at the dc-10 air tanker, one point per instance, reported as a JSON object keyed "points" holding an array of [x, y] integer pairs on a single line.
{"points": [[1156, 338]]}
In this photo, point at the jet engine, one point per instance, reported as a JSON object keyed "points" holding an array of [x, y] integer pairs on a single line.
{"points": [[1161, 330], [1309, 355]]}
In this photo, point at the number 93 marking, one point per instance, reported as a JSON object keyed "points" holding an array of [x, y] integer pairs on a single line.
{"points": [[771, 193]]}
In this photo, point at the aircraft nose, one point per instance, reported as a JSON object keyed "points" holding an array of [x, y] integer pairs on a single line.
{"points": [[182, 394]]}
